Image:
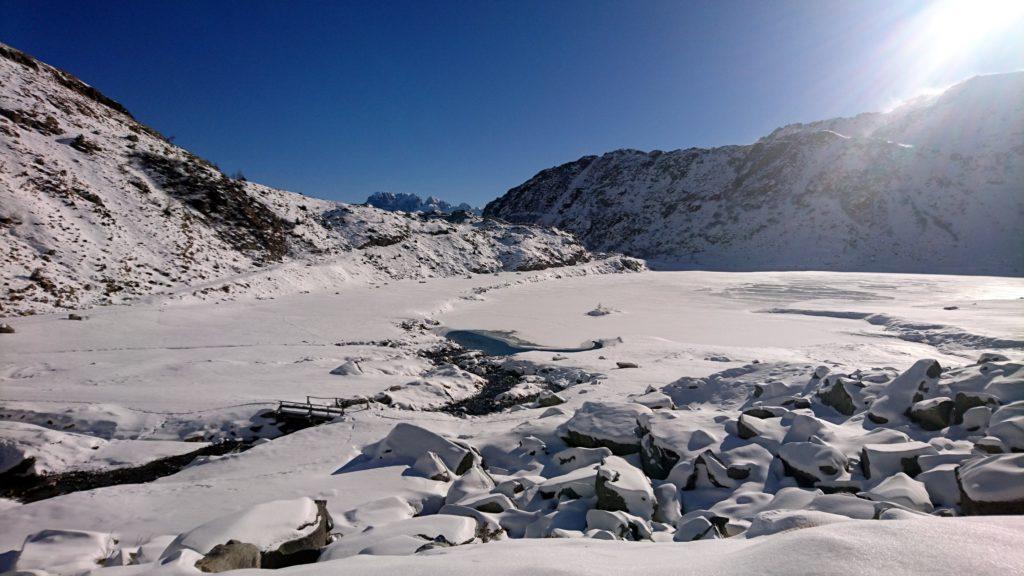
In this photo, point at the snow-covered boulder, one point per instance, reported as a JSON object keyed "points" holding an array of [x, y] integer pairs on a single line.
{"points": [[767, 431], [579, 483], [568, 515], [623, 525], [430, 465], [602, 310], [376, 512], [672, 438], [986, 357], [940, 482], [746, 463], [622, 486], [708, 470], [407, 443], [804, 428], [812, 462], [696, 528], [1001, 380], [532, 446], [488, 524], [839, 393], [655, 400], [976, 418], [1007, 424], [547, 399], [992, 485], [285, 532], [516, 487], [668, 506], [883, 460], [64, 552], [490, 503], [933, 413], [474, 482], [349, 368], [906, 389], [613, 425], [404, 537], [232, 555], [903, 490], [436, 388], [989, 445], [573, 458], [964, 401]]}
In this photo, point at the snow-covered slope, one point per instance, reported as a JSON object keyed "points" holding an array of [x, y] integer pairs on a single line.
{"points": [[936, 185], [405, 202], [98, 208]]}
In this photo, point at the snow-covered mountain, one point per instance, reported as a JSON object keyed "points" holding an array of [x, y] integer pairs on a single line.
{"points": [[935, 185], [96, 207], [404, 202]]}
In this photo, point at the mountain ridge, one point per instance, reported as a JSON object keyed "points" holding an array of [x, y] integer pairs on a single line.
{"points": [[935, 185], [97, 208]]}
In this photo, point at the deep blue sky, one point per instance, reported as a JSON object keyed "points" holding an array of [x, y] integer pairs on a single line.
{"points": [[464, 100]]}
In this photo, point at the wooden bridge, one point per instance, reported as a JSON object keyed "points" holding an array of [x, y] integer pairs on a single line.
{"points": [[318, 408]]}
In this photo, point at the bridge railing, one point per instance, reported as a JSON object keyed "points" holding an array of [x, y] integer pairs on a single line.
{"points": [[332, 408]]}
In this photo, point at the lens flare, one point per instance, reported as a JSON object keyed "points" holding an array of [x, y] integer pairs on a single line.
{"points": [[952, 29]]}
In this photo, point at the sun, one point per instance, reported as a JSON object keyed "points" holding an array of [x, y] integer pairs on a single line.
{"points": [[953, 28]]}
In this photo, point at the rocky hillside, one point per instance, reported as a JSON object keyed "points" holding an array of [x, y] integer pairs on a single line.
{"points": [[404, 202], [97, 208], [936, 185]]}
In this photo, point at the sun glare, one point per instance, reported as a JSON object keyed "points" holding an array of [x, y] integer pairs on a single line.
{"points": [[953, 28]]}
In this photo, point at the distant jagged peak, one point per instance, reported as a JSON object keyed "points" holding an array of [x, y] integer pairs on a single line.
{"points": [[406, 202]]}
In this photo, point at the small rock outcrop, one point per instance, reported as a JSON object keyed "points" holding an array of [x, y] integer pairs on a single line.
{"points": [[933, 413], [613, 425], [409, 442], [992, 485], [284, 532], [621, 486], [233, 555]]}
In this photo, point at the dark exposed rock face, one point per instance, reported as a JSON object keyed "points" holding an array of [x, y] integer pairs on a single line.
{"points": [[83, 144], [964, 402], [656, 461], [46, 125], [573, 438], [838, 397], [241, 221], [608, 499], [934, 414]]}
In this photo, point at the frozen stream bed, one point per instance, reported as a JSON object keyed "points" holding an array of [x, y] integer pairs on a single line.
{"points": [[497, 343]]}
